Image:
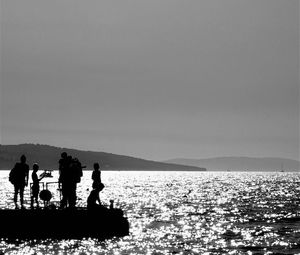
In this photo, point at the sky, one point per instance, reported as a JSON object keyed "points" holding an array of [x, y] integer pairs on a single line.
{"points": [[157, 79]]}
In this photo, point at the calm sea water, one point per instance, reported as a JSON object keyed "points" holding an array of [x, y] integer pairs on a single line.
{"points": [[185, 213]]}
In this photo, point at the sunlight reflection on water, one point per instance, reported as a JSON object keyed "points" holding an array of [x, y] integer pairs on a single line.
{"points": [[186, 213]]}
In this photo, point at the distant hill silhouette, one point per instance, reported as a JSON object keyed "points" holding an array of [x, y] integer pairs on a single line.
{"points": [[47, 157], [241, 164]]}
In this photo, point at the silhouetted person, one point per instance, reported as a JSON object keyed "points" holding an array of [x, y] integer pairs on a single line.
{"points": [[96, 175], [62, 165], [35, 188], [19, 178], [63, 176], [94, 197]]}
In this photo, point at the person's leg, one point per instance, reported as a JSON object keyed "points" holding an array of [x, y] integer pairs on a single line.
{"points": [[73, 195], [69, 201], [22, 195], [36, 198], [67, 194], [63, 202], [31, 201], [16, 195], [37, 202]]}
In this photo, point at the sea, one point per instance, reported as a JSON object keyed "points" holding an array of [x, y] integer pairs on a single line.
{"points": [[174, 212]]}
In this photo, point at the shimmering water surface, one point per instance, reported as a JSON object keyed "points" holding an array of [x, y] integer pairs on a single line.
{"points": [[185, 213]]}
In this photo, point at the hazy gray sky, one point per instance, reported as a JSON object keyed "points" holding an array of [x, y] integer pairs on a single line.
{"points": [[155, 79]]}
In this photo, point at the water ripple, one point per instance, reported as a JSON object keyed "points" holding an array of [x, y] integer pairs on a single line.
{"points": [[186, 213]]}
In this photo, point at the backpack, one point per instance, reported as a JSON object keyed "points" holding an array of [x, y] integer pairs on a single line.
{"points": [[12, 176], [76, 170]]}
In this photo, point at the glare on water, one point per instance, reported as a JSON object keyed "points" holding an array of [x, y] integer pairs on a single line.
{"points": [[185, 213]]}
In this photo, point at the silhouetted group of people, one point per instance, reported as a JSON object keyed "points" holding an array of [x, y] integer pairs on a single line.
{"points": [[70, 173]]}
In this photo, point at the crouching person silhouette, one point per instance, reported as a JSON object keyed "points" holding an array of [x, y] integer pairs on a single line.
{"points": [[35, 189], [94, 198]]}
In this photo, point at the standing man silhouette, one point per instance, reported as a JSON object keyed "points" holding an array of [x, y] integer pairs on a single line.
{"points": [[63, 178], [19, 178]]}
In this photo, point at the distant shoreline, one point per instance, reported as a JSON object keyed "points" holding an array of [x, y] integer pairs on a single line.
{"points": [[48, 156]]}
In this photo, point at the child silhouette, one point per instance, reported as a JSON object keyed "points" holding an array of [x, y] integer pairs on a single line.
{"points": [[35, 189]]}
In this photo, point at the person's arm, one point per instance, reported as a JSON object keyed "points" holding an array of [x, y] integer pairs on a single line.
{"points": [[41, 177]]}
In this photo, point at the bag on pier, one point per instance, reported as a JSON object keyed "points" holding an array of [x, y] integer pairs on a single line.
{"points": [[12, 176]]}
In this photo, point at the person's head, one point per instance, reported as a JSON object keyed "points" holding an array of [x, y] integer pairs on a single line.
{"points": [[64, 155], [35, 167], [23, 159], [96, 166]]}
